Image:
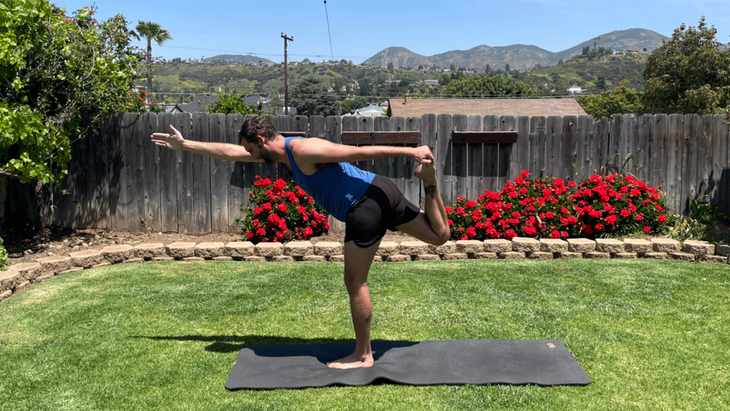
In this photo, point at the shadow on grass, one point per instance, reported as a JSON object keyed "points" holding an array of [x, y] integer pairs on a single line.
{"points": [[273, 346]]}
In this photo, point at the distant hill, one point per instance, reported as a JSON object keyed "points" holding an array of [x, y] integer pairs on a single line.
{"points": [[518, 56], [237, 58]]}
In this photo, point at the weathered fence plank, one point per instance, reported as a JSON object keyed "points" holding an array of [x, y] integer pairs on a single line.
{"points": [[475, 160], [220, 172], [659, 136], [720, 169], [521, 156], [241, 174], [506, 153], [150, 152], [490, 158], [675, 164], [411, 185], [428, 138], [201, 178], [444, 158]]}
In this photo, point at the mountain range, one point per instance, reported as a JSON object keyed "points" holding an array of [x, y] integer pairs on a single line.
{"points": [[518, 56]]}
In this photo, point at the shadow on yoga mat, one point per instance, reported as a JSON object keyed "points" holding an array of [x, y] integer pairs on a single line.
{"points": [[474, 362]]}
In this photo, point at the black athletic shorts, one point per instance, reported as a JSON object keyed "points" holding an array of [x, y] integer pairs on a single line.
{"points": [[382, 208]]}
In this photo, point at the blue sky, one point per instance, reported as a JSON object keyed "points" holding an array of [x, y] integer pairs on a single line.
{"points": [[360, 29]]}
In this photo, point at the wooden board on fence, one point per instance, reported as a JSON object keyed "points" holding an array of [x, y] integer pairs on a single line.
{"points": [[645, 146], [675, 142], [568, 146], [474, 156], [239, 175], [201, 177], [168, 179], [658, 157], [460, 155], [396, 171], [484, 137], [333, 129], [317, 127], [381, 124], [151, 177], [380, 137], [491, 157], [521, 154], [428, 138], [219, 176], [720, 170], [184, 168], [444, 159], [138, 173], [704, 155], [506, 152], [412, 185], [584, 147], [537, 146], [553, 134], [364, 124]]}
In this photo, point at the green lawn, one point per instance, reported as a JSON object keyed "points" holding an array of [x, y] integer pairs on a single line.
{"points": [[651, 335]]}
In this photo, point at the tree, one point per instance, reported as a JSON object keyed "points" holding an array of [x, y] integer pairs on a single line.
{"points": [[350, 105], [689, 73], [151, 31], [311, 97], [507, 68], [622, 100], [59, 76], [233, 103], [486, 86]]}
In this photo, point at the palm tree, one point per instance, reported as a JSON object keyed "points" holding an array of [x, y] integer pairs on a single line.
{"points": [[151, 31]]}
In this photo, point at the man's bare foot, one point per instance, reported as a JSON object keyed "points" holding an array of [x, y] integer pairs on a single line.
{"points": [[427, 173], [353, 361]]}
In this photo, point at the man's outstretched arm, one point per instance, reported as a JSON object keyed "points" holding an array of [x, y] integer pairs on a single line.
{"points": [[315, 150], [221, 151]]}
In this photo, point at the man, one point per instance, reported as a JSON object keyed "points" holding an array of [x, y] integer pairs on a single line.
{"points": [[368, 204]]}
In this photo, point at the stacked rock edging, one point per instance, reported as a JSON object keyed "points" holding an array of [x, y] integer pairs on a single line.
{"points": [[21, 276]]}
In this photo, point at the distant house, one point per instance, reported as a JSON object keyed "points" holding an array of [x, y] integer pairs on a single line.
{"points": [[372, 110], [409, 107], [200, 104], [430, 83], [575, 90]]}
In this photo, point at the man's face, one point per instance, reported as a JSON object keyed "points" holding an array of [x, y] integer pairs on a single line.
{"points": [[258, 151]]}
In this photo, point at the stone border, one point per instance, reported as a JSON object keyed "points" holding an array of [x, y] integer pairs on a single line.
{"points": [[21, 276]]}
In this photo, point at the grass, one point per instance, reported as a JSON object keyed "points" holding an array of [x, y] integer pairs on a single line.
{"points": [[651, 335]]}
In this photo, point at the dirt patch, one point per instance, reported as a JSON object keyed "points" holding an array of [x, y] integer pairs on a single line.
{"points": [[61, 241]]}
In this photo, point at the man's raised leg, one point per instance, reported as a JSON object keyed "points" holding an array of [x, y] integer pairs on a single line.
{"points": [[357, 266], [432, 226]]}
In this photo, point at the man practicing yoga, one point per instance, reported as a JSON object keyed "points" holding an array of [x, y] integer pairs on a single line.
{"points": [[369, 204]]}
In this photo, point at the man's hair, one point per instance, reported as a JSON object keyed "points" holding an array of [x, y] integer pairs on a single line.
{"points": [[257, 126]]}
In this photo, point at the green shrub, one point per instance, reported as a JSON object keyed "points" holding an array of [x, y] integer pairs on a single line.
{"points": [[3, 255]]}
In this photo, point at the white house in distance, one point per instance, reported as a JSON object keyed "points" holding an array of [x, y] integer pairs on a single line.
{"points": [[372, 110], [575, 90]]}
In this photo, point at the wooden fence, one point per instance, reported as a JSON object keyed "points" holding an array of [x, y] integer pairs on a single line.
{"points": [[119, 180]]}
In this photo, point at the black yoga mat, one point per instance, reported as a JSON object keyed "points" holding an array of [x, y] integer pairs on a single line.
{"points": [[475, 362]]}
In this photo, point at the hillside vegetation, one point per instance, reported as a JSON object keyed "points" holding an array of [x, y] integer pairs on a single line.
{"points": [[596, 72]]}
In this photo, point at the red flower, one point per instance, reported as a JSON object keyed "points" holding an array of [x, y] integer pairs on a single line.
{"points": [[281, 208], [647, 228], [662, 218]]}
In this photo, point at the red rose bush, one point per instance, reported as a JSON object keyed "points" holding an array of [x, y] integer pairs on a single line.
{"points": [[281, 212], [544, 208]]}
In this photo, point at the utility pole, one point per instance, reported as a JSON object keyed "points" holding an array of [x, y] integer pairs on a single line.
{"points": [[286, 72]]}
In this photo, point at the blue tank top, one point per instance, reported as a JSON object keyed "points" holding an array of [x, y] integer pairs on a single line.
{"points": [[336, 186]]}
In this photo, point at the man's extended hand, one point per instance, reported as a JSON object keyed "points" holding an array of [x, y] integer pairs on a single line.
{"points": [[172, 141], [423, 155]]}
